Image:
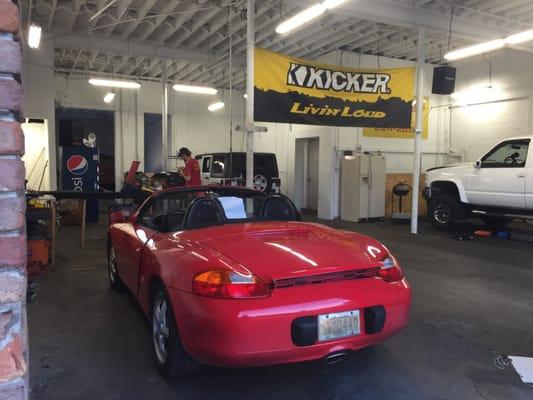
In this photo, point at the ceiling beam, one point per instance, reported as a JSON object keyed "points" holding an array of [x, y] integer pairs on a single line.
{"points": [[150, 67], [130, 48], [205, 23], [147, 6], [157, 21], [120, 11], [173, 27], [201, 21], [76, 6], [53, 7]]}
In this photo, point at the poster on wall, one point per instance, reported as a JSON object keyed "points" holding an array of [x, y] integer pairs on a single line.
{"points": [[403, 133], [294, 90]]}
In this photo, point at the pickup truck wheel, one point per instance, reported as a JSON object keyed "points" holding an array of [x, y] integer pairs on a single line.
{"points": [[495, 222], [444, 209], [170, 356]]}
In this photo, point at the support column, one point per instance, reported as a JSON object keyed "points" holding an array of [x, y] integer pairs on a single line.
{"points": [[418, 128], [164, 116], [250, 44], [13, 253]]}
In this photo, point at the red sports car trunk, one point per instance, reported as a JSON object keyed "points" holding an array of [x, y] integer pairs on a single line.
{"points": [[296, 250]]}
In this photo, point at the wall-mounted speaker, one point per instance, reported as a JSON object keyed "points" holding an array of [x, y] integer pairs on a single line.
{"points": [[443, 80]]}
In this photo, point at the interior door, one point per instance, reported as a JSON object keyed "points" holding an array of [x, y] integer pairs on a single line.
{"points": [[206, 169], [312, 174], [500, 180]]}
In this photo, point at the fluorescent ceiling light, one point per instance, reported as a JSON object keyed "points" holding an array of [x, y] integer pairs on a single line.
{"points": [[477, 94], [329, 4], [109, 97], [520, 37], [219, 105], [307, 15], [474, 50], [34, 36], [115, 83], [194, 89], [301, 18], [485, 47]]}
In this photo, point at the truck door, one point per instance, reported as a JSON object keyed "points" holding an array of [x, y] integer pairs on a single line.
{"points": [[206, 169], [499, 179], [529, 180]]}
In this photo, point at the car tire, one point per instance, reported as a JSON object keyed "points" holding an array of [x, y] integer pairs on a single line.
{"points": [[444, 209], [170, 356], [112, 272], [493, 222], [262, 181]]}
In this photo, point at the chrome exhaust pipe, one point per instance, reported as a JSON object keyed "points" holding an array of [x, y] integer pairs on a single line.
{"points": [[335, 358]]}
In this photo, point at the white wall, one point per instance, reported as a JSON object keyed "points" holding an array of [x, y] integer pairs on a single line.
{"points": [[474, 129], [467, 131], [38, 97]]}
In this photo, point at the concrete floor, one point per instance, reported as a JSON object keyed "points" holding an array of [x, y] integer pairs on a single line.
{"points": [[472, 300]]}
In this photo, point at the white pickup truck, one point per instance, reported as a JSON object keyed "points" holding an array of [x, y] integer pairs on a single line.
{"points": [[498, 187]]}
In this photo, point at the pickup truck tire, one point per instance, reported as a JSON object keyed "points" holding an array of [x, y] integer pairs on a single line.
{"points": [[444, 209], [493, 222]]}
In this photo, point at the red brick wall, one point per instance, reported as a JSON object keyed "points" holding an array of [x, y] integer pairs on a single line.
{"points": [[13, 335]]}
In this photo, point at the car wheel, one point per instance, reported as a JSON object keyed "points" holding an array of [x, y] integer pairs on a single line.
{"points": [[114, 279], [496, 222], [170, 356], [444, 209], [262, 182]]}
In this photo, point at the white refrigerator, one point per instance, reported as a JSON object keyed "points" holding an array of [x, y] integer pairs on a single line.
{"points": [[363, 187]]}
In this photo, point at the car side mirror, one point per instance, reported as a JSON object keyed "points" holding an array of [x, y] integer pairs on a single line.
{"points": [[477, 164], [121, 216]]}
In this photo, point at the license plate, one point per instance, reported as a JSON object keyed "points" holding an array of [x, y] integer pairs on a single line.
{"points": [[338, 325]]}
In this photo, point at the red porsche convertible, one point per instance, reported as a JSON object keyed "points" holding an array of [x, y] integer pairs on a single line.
{"points": [[233, 277]]}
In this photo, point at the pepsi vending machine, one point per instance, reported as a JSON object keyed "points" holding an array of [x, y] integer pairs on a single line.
{"points": [[80, 172]]}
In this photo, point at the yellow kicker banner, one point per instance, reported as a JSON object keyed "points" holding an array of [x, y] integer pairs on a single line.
{"points": [[403, 133], [294, 90]]}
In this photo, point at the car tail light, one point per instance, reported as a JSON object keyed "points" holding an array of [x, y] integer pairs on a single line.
{"points": [[229, 285], [390, 270]]}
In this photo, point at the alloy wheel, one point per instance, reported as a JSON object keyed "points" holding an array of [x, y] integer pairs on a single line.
{"points": [[160, 328], [112, 267]]}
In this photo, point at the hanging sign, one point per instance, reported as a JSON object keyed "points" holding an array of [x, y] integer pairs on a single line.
{"points": [[403, 133], [298, 91]]}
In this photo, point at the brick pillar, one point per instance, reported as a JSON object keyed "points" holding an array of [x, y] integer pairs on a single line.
{"points": [[13, 333]]}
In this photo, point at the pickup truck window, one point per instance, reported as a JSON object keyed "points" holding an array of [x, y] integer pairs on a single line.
{"points": [[206, 165], [218, 166], [511, 154]]}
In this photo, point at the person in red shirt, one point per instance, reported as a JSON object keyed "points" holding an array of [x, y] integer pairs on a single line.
{"points": [[191, 172]]}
